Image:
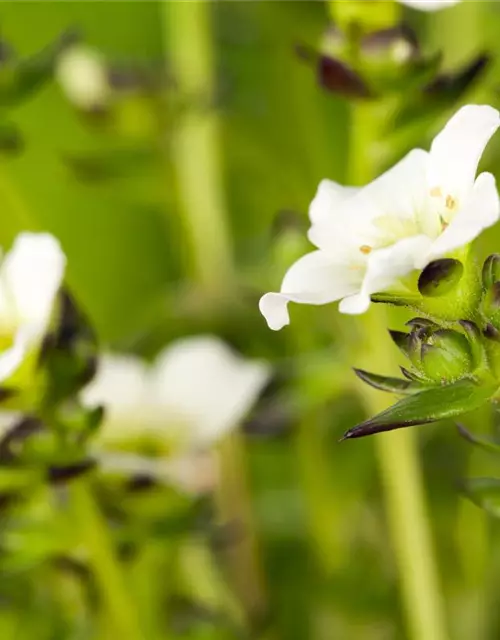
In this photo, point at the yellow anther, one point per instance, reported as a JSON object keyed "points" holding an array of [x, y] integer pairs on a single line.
{"points": [[450, 202], [436, 192], [364, 248]]}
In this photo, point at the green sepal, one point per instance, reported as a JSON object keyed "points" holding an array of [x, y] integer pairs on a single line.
{"points": [[473, 334], [491, 270], [430, 405], [413, 376], [402, 340], [386, 383]]}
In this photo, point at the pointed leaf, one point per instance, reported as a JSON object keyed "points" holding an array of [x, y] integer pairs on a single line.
{"points": [[485, 493], [485, 443], [385, 383], [427, 406]]}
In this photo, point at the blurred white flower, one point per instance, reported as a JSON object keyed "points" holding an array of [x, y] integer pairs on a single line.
{"points": [[30, 278], [194, 393], [83, 78], [429, 5], [426, 206]]}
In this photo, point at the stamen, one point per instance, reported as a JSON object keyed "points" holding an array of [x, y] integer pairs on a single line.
{"points": [[450, 202], [436, 192], [366, 249]]}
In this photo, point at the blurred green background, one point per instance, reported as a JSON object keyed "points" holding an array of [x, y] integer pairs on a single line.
{"points": [[164, 241]]}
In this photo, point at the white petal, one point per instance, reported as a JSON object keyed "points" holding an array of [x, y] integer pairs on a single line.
{"points": [[12, 358], [429, 5], [83, 77], [202, 384], [396, 198], [384, 268], [329, 196], [456, 151], [193, 473], [31, 275], [121, 386], [356, 304], [480, 211], [313, 279]]}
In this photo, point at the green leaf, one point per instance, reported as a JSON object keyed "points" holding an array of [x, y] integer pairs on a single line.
{"points": [[485, 493], [427, 406], [485, 443], [385, 383]]}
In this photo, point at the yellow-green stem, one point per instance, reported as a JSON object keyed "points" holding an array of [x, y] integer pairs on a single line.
{"points": [[235, 509], [397, 452], [473, 541], [196, 142], [119, 610], [197, 149]]}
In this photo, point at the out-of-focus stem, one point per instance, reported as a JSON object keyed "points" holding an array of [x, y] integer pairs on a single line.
{"points": [[197, 152], [119, 609], [196, 142], [235, 510], [473, 541], [397, 452]]}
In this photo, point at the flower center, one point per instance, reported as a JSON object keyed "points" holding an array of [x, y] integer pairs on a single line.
{"points": [[365, 249]]}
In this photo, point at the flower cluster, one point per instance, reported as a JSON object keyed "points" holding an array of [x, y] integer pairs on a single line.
{"points": [[160, 420], [170, 414], [405, 239]]}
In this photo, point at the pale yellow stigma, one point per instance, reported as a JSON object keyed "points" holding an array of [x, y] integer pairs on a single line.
{"points": [[436, 192], [364, 248]]}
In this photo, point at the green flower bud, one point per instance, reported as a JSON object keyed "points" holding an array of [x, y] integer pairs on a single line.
{"points": [[446, 356], [491, 270], [440, 277]]}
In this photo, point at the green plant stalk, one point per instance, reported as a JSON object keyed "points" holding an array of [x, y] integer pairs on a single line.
{"points": [[119, 608], [473, 542], [198, 161], [196, 143], [397, 452], [234, 501]]}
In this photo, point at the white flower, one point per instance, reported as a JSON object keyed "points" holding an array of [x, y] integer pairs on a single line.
{"points": [[30, 278], [194, 393], [82, 75], [426, 206], [429, 5]]}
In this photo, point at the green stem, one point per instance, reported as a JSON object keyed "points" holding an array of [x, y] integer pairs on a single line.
{"points": [[120, 613], [197, 153], [473, 542], [196, 143], [397, 452], [234, 503]]}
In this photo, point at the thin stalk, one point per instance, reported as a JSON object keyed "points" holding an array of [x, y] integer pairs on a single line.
{"points": [[473, 542], [197, 152], [119, 609], [234, 502], [197, 142], [397, 452]]}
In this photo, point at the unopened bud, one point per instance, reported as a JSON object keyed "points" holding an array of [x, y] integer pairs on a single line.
{"points": [[446, 356], [440, 277]]}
